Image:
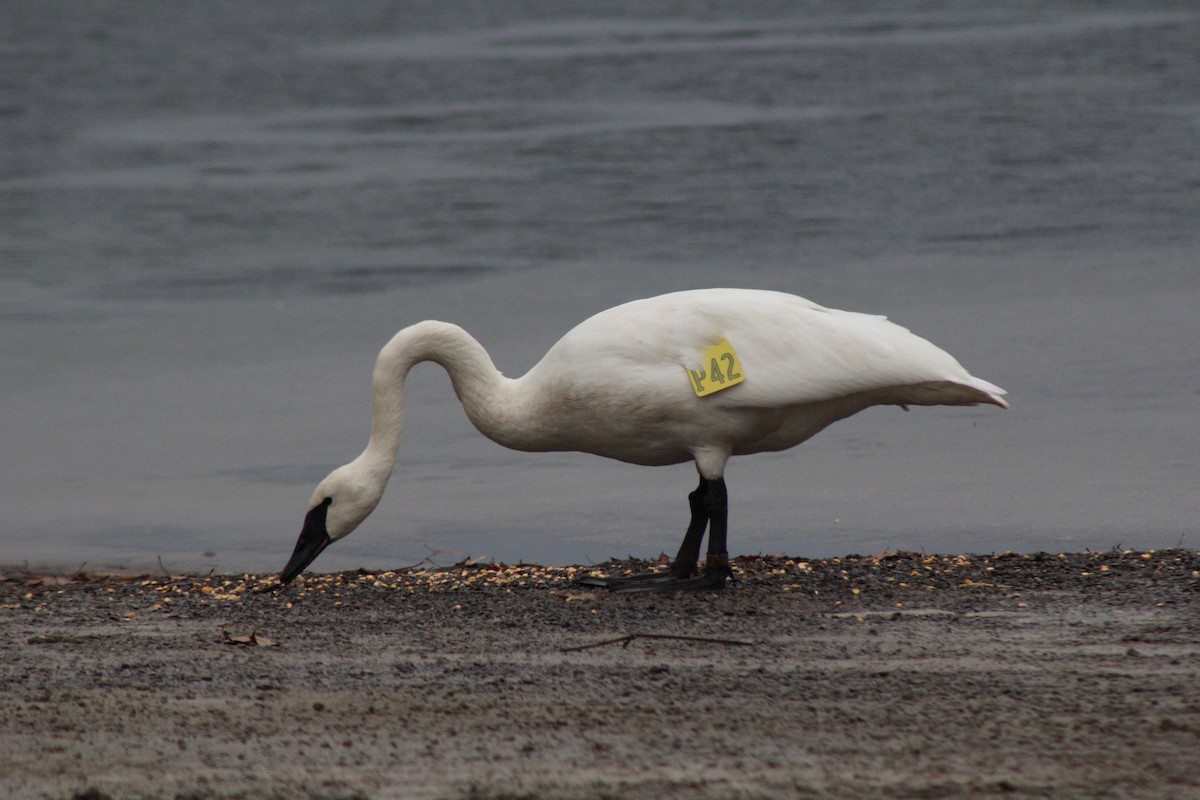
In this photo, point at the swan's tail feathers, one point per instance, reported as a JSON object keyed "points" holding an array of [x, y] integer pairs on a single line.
{"points": [[969, 392], [991, 392]]}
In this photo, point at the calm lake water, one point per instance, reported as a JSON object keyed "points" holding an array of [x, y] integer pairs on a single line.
{"points": [[212, 215]]}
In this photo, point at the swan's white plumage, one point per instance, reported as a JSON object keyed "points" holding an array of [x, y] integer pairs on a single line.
{"points": [[616, 385], [620, 376]]}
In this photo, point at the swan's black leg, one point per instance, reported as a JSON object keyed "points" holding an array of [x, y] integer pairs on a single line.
{"points": [[712, 501], [684, 565], [716, 566], [709, 505]]}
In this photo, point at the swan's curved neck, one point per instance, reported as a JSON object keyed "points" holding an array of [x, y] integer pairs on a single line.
{"points": [[492, 402]]}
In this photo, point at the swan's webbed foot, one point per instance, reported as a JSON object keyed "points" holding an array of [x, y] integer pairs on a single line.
{"points": [[714, 577], [675, 572], [704, 582]]}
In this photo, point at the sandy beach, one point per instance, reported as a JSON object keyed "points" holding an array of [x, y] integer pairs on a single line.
{"points": [[895, 676]]}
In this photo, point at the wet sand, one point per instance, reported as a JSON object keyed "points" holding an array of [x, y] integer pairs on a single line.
{"points": [[895, 676]]}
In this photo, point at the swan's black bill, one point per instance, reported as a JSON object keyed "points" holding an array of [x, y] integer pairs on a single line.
{"points": [[314, 538]]}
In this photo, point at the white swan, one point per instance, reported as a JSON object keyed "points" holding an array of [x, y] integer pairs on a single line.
{"points": [[691, 376]]}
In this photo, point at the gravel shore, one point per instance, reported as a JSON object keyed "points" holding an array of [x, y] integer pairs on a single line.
{"points": [[901, 675]]}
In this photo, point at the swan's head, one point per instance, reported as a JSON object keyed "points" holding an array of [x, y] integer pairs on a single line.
{"points": [[339, 504]]}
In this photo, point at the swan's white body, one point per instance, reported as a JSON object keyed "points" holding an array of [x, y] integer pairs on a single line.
{"points": [[617, 386]]}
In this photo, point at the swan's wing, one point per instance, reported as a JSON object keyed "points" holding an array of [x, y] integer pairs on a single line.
{"points": [[791, 351], [809, 354]]}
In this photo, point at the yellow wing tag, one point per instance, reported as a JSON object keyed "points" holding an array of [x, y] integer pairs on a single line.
{"points": [[719, 369]]}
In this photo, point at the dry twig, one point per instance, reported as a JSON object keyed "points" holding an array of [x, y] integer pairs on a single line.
{"points": [[629, 637]]}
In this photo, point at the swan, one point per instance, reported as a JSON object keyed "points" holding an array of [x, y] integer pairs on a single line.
{"points": [[697, 376]]}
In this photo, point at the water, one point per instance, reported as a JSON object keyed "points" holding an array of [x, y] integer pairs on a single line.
{"points": [[211, 217]]}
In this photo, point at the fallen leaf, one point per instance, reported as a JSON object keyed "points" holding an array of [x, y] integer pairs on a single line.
{"points": [[575, 597], [51, 580], [253, 640]]}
